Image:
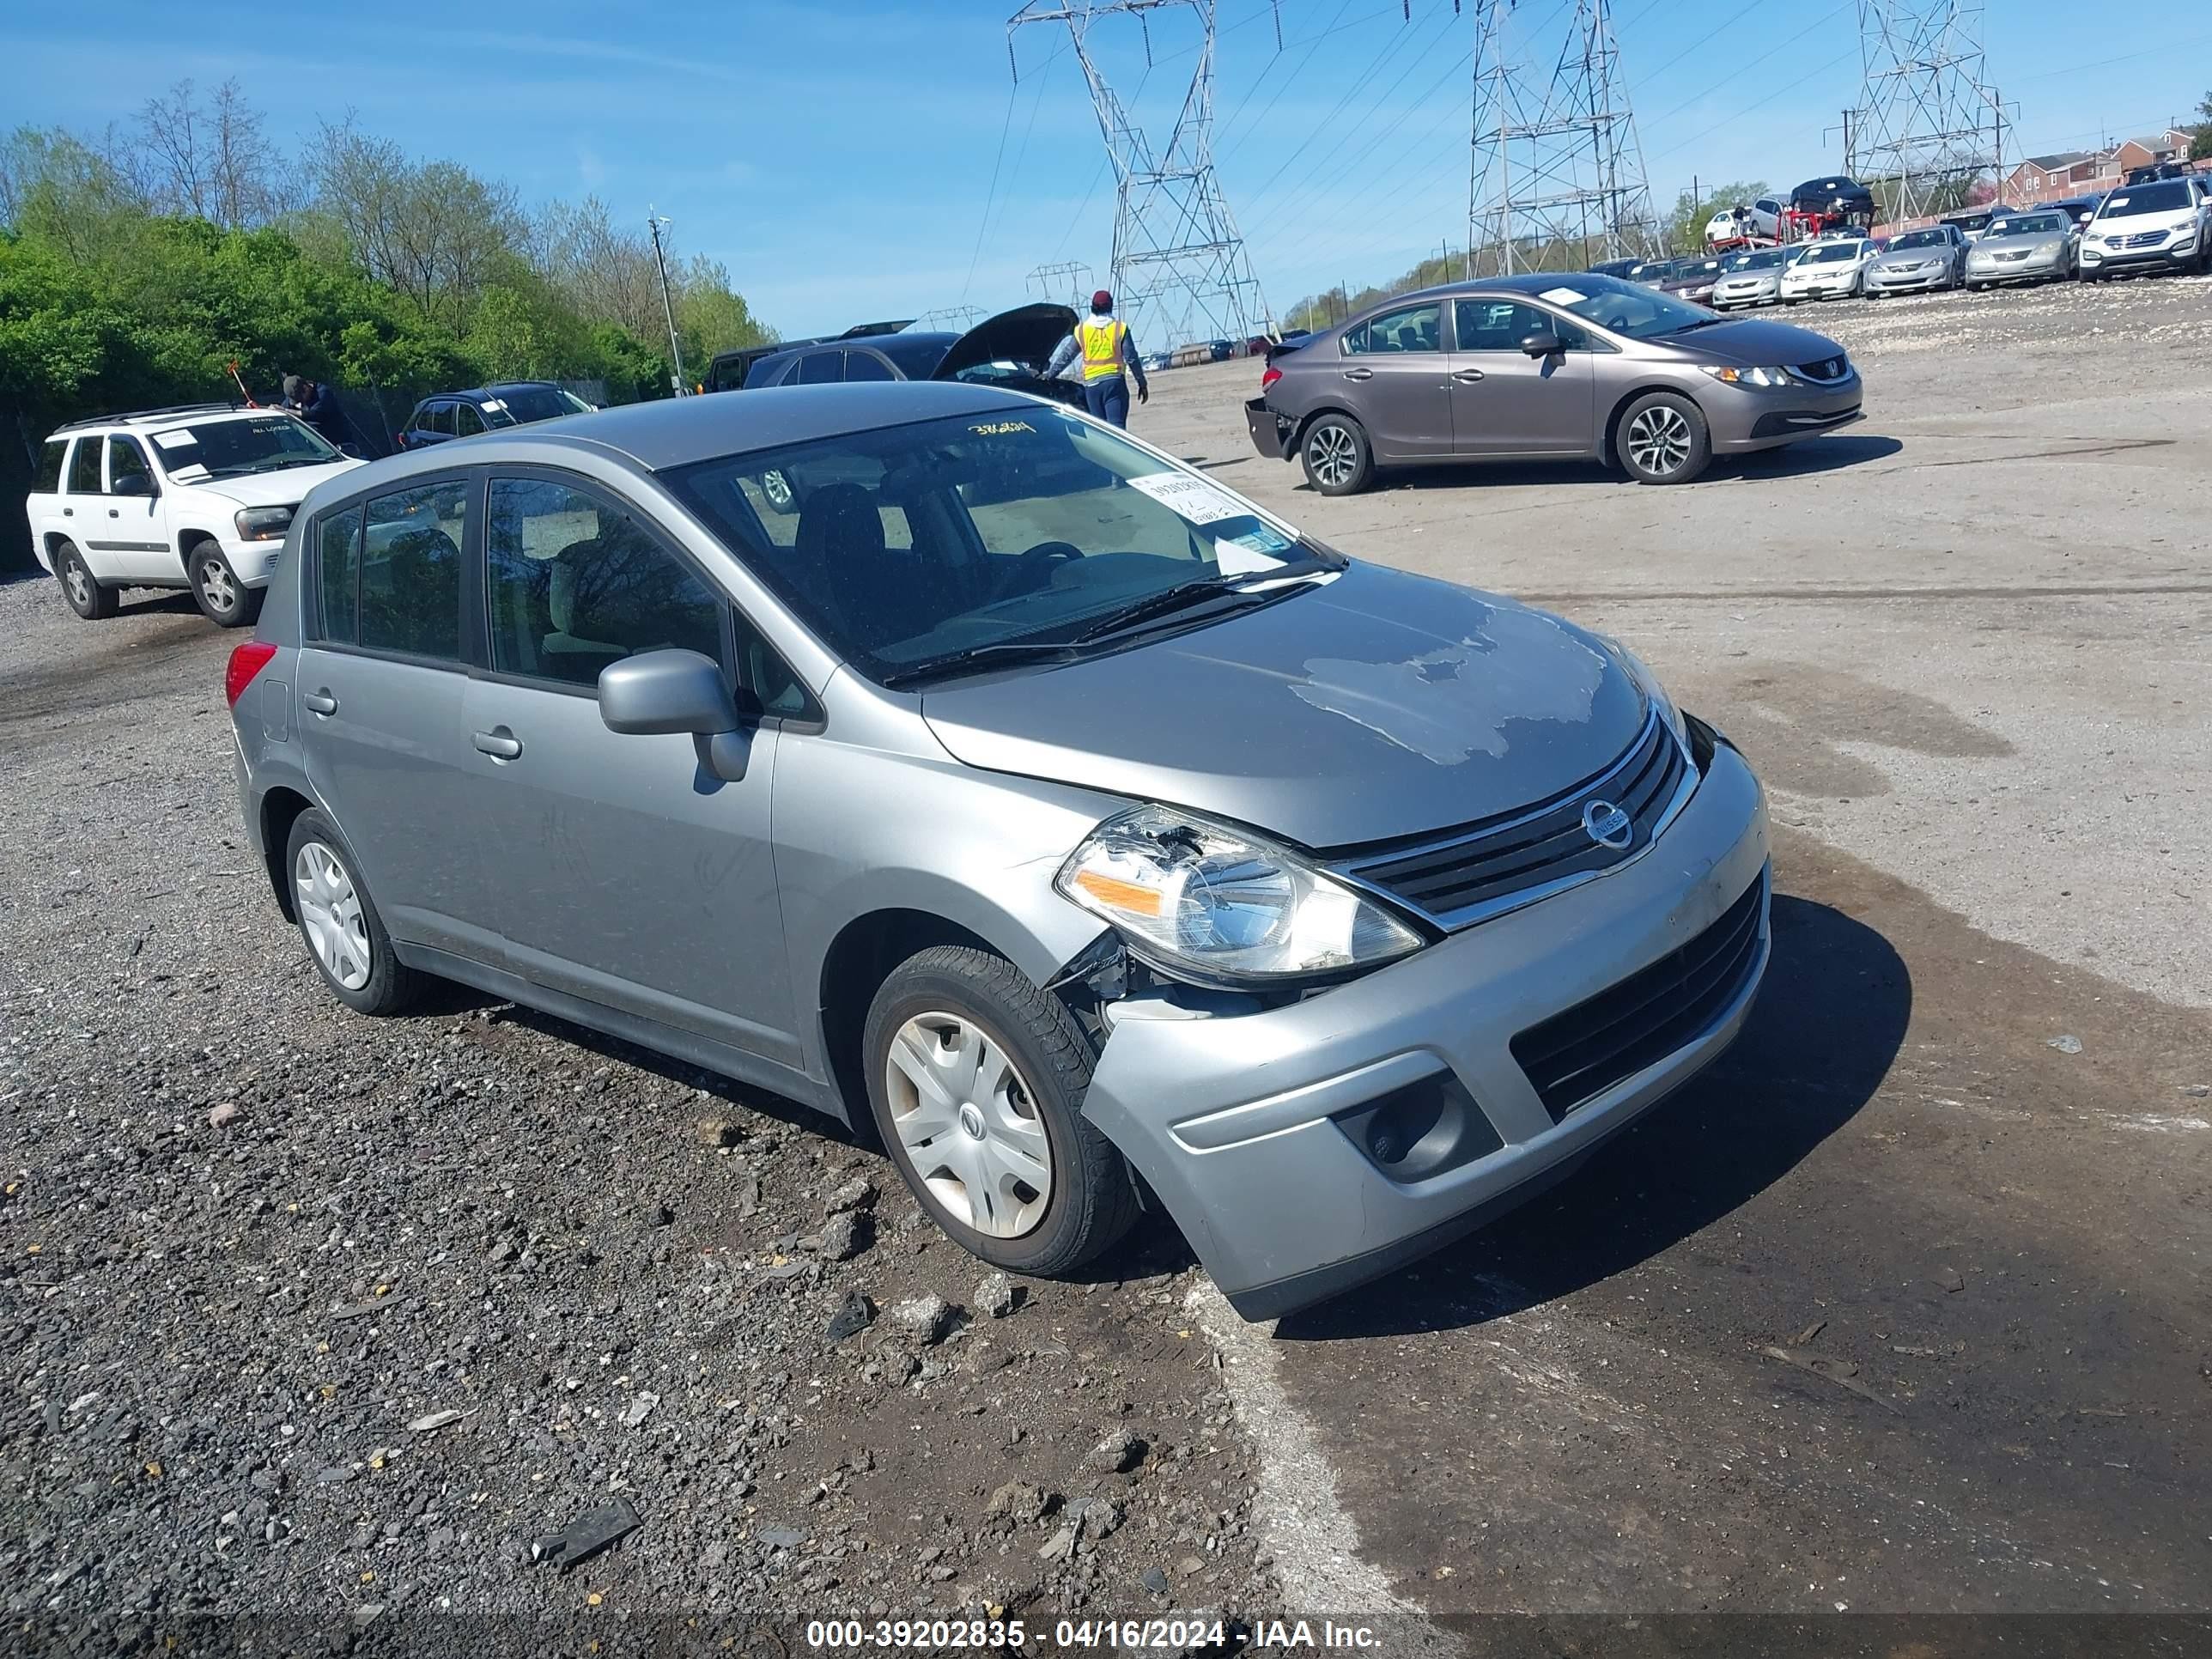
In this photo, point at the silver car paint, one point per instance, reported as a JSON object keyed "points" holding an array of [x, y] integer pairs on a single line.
{"points": [[1928, 265], [601, 877]]}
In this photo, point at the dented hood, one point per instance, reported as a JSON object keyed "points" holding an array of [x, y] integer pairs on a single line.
{"points": [[1381, 704], [1027, 335]]}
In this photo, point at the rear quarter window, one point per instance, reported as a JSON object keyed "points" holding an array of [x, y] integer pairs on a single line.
{"points": [[51, 455]]}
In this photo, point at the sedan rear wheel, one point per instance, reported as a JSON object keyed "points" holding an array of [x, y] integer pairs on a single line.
{"points": [[344, 935], [1338, 460], [1663, 439]]}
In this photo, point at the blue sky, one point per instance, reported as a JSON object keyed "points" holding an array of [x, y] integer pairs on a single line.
{"points": [[840, 159]]}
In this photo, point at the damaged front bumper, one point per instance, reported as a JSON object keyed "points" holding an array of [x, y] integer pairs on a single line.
{"points": [[1305, 1148]]}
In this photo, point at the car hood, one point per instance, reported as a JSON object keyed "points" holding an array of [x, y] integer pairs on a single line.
{"points": [[284, 488], [1752, 341], [2129, 224], [1025, 334], [1934, 253], [1381, 704], [2053, 239]]}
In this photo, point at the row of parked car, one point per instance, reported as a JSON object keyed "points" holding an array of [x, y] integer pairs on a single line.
{"points": [[2163, 225]]}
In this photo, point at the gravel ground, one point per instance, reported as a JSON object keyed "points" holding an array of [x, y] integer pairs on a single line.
{"points": [[311, 1314], [1916, 1319]]}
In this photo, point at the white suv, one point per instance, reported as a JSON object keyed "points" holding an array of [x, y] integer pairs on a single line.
{"points": [[2165, 225], [197, 497]]}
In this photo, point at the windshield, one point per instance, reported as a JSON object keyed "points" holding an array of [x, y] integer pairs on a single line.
{"points": [[1764, 259], [1652, 270], [2169, 197], [1920, 238], [232, 448], [1702, 268], [906, 546], [1640, 312], [1830, 253], [2032, 224], [519, 405]]}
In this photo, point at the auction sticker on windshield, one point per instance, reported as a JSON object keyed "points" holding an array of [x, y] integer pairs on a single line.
{"points": [[1193, 498], [1564, 296]]}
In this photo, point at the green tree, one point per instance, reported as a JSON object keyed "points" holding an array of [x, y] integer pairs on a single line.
{"points": [[2201, 146]]}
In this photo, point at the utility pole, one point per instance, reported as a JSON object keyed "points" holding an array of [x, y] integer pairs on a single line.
{"points": [[1555, 159], [654, 223], [1179, 260]]}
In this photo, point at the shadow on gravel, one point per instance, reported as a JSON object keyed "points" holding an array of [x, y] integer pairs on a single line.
{"points": [[1829, 1021], [1813, 456]]}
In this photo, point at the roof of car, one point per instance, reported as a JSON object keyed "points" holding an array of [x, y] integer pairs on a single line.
{"points": [[170, 412], [672, 432], [903, 340], [496, 388]]}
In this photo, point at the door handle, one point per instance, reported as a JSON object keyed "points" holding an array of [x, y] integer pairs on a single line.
{"points": [[69, 513], [114, 513], [1358, 373], [320, 701], [1466, 376], [499, 743]]}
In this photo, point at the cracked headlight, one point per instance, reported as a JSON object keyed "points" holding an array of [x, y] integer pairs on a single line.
{"points": [[1220, 906], [1648, 682]]}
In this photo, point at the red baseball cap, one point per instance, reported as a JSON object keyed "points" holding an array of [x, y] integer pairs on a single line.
{"points": [[1102, 301]]}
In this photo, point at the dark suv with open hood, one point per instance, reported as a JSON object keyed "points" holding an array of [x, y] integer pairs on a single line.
{"points": [[1011, 350]]}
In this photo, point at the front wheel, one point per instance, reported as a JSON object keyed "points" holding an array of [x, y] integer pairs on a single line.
{"points": [[80, 586], [1339, 461], [1664, 439], [222, 598], [976, 1081]]}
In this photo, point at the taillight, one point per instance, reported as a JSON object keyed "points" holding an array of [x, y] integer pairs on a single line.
{"points": [[1270, 378], [247, 661]]}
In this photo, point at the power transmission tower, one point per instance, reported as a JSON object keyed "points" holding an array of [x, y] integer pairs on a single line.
{"points": [[1179, 264], [1556, 179], [1929, 127], [1070, 278], [960, 317]]}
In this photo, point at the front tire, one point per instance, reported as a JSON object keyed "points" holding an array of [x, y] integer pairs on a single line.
{"points": [[345, 937], [1339, 460], [1662, 439], [976, 1081], [80, 586], [222, 598]]}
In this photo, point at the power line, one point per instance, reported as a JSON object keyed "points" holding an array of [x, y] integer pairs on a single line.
{"points": [[992, 193]]}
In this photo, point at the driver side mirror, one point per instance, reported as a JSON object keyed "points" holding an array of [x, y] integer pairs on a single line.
{"points": [[1543, 345], [657, 693], [137, 484]]}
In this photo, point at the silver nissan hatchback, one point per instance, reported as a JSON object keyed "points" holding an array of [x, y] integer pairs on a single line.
{"points": [[978, 774]]}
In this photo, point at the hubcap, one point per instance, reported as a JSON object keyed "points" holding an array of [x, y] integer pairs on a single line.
{"points": [[968, 1124], [331, 915], [1333, 454], [1659, 439], [79, 584], [214, 581]]}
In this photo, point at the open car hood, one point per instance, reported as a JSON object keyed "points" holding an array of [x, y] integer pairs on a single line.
{"points": [[1026, 335]]}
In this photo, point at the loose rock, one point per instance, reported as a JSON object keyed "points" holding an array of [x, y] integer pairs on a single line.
{"points": [[854, 1315], [858, 1194], [998, 1295], [1117, 1453], [929, 1317]]}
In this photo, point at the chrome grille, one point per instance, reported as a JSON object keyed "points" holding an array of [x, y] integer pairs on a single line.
{"points": [[1482, 869], [2141, 238]]}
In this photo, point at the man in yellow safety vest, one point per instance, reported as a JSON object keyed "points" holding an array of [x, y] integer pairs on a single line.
{"points": [[1109, 357]]}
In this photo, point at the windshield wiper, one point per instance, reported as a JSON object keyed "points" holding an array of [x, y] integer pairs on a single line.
{"points": [[1253, 586], [997, 651], [1702, 322]]}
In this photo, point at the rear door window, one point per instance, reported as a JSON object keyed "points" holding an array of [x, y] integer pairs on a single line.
{"points": [[468, 421], [84, 467], [866, 365], [410, 572], [52, 453], [819, 369], [1411, 328]]}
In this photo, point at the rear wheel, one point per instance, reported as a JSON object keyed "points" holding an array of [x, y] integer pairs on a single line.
{"points": [[1339, 460], [80, 586], [223, 599], [1663, 439], [976, 1081], [345, 936]]}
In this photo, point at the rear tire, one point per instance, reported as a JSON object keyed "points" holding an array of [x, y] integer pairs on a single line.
{"points": [[222, 598], [345, 937], [1339, 460], [976, 1082], [80, 586], [1662, 439]]}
